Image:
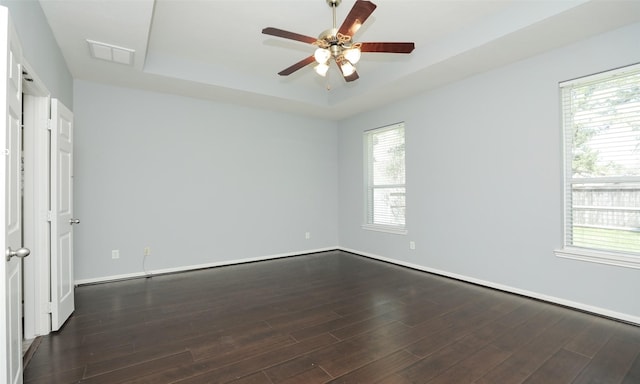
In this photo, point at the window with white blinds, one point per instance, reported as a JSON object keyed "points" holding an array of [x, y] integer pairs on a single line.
{"points": [[601, 122], [385, 178]]}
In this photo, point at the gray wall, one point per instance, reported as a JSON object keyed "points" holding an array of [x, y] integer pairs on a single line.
{"points": [[202, 182], [484, 179], [40, 48], [198, 182]]}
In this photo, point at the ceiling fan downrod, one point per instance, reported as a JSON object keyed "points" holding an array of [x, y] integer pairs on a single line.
{"points": [[334, 4]]}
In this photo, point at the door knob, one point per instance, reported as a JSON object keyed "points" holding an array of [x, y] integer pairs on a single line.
{"points": [[74, 221], [21, 253]]}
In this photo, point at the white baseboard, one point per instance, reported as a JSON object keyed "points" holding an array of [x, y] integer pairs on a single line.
{"points": [[539, 296], [104, 279], [535, 295]]}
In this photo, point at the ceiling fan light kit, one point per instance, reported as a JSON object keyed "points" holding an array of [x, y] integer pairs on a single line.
{"points": [[352, 54], [322, 55], [347, 68], [337, 45], [321, 69]]}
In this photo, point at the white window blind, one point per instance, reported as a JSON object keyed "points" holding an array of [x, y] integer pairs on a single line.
{"points": [[601, 119], [385, 177]]}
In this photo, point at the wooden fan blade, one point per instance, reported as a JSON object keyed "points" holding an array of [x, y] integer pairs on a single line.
{"points": [[357, 16], [289, 35], [352, 77], [300, 64], [387, 47]]}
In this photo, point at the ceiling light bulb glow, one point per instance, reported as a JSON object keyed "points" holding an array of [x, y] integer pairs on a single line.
{"points": [[353, 55], [321, 69], [347, 68], [322, 55]]}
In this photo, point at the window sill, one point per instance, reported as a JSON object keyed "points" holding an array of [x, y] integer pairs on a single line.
{"points": [[609, 258], [385, 228]]}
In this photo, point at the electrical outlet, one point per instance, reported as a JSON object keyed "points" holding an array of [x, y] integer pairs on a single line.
{"points": [[307, 235], [147, 251], [115, 254], [412, 245]]}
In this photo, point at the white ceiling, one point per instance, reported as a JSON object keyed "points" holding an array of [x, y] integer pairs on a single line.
{"points": [[214, 49]]}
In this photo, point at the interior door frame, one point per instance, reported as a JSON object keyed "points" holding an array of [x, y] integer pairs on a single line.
{"points": [[36, 227]]}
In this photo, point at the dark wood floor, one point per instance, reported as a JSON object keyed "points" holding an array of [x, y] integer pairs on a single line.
{"points": [[327, 318]]}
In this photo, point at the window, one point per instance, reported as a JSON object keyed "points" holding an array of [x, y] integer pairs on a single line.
{"points": [[385, 179], [601, 122]]}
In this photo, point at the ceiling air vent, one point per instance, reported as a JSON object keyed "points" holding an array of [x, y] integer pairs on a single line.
{"points": [[108, 52]]}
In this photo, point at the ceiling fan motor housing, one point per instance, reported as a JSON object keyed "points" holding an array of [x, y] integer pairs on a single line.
{"points": [[330, 35]]}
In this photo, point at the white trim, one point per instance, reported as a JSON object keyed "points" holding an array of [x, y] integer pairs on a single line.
{"points": [[535, 295], [36, 272], [604, 180], [369, 186], [186, 268], [570, 250], [552, 299], [385, 228], [600, 76], [386, 127], [609, 258]]}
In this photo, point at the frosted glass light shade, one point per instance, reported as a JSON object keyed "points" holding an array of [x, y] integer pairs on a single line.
{"points": [[347, 68], [353, 55], [322, 55], [321, 69]]}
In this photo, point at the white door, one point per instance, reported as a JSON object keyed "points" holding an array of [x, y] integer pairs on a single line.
{"points": [[62, 284], [10, 203]]}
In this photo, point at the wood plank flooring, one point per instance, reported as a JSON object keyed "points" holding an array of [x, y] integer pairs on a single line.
{"points": [[331, 317]]}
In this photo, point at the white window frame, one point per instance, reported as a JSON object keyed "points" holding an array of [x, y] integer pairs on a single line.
{"points": [[609, 257], [369, 184]]}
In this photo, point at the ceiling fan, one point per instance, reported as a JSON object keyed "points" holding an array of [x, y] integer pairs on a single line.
{"points": [[336, 44]]}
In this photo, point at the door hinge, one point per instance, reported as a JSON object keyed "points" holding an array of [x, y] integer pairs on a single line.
{"points": [[49, 307], [49, 216], [49, 124]]}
